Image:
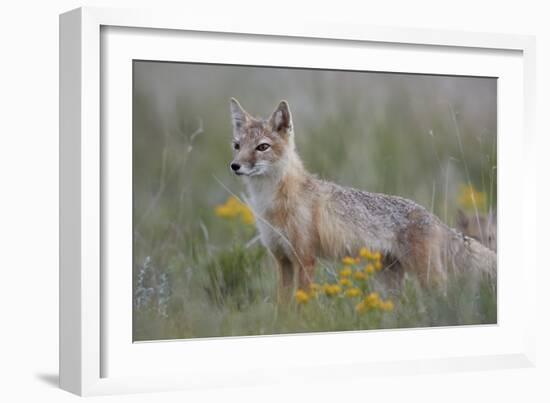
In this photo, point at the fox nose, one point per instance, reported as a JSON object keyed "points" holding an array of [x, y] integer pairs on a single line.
{"points": [[235, 167]]}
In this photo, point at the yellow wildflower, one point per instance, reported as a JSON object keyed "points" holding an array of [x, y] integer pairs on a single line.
{"points": [[332, 289], [372, 300], [472, 199], [302, 297], [233, 208], [386, 305], [345, 282], [365, 253], [247, 216], [353, 292], [348, 261], [378, 265], [224, 211], [377, 256], [346, 271], [369, 269], [359, 276]]}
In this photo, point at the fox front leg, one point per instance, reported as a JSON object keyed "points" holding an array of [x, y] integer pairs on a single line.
{"points": [[285, 272], [294, 270], [306, 273]]}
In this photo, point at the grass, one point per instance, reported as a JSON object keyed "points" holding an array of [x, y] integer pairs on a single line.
{"points": [[232, 292], [198, 273]]}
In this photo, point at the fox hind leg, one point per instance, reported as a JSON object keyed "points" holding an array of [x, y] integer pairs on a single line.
{"points": [[421, 254]]}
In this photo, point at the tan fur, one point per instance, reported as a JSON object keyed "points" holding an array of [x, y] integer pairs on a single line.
{"points": [[301, 218]]}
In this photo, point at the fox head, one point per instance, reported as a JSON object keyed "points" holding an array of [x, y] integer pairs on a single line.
{"points": [[261, 146]]}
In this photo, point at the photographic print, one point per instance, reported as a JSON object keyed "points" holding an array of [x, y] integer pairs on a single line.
{"points": [[273, 200]]}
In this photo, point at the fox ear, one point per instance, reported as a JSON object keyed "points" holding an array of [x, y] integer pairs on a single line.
{"points": [[462, 220], [238, 114], [281, 119]]}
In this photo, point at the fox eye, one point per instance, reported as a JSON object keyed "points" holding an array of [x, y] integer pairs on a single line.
{"points": [[236, 146], [263, 147]]}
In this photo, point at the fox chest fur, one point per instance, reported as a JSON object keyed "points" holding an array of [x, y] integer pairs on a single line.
{"points": [[286, 217]]}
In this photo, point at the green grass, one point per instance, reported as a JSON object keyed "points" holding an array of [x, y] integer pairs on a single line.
{"points": [[232, 292], [197, 275]]}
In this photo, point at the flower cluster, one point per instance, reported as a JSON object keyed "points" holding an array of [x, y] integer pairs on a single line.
{"points": [[373, 301], [352, 283], [302, 297], [234, 209], [471, 199]]}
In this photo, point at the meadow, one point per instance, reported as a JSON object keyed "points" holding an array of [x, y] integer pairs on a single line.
{"points": [[199, 269]]}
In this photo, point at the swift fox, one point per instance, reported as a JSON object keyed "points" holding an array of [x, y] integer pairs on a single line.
{"points": [[301, 218]]}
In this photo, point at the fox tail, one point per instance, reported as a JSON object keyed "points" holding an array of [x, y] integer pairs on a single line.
{"points": [[470, 255]]}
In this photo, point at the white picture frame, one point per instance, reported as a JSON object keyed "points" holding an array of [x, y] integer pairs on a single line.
{"points": [[97, 357]]}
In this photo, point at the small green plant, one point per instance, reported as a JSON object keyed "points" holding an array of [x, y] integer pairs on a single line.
{"points": [[232, 275]]}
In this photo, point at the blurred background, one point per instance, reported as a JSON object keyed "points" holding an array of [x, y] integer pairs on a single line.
{"points": [[423, 137]]}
